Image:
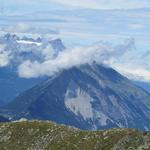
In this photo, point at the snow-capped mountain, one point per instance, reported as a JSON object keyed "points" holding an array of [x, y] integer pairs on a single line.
{"points": [[27, 48], [88, 97], [13, 51]]}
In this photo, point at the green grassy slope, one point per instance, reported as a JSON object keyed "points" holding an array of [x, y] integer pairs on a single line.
{"points": [[37, 135]]}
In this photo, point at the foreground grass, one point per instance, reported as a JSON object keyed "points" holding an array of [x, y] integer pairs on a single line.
{"points": [[38, 135]]}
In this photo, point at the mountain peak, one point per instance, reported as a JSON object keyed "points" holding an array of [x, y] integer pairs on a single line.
{"points": [[57, 44], [88, 97], [10, 37]]}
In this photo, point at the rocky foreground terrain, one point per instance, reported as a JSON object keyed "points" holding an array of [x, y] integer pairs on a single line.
{"points": [[37, 135]]}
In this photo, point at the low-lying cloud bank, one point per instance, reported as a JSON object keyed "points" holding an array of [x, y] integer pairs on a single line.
{"points": [[65, 60], [68, 58], [121, 57]]}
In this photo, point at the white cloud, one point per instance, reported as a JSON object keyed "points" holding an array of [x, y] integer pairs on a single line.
{"points": [[4, 59], [4, 56], [63, 4], [136, 26], [26, 28], [18, 28], [72, 57], [64, 60], [132, 65], [106, 4], [134, 72]]}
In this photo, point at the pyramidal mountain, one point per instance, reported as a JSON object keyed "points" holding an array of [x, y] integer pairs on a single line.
{"points": [[88, 97]]}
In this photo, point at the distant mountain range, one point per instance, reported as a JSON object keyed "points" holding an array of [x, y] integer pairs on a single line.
{"points": [[21, 49], [89, 97]]}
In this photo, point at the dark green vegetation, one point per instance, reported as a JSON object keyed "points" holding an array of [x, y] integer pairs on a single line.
{"points": [[38, 135]]}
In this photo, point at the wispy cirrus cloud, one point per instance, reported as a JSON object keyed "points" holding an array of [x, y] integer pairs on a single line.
{"points": [[106, 4], [45, 5], [26, 28], [136, 26]]}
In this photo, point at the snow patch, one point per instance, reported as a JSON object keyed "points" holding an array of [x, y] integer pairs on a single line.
{"points": [[29, 42]]}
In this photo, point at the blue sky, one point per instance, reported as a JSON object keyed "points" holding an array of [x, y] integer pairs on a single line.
{"points": [[24, 5], [84, 22], [95, 24]]}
